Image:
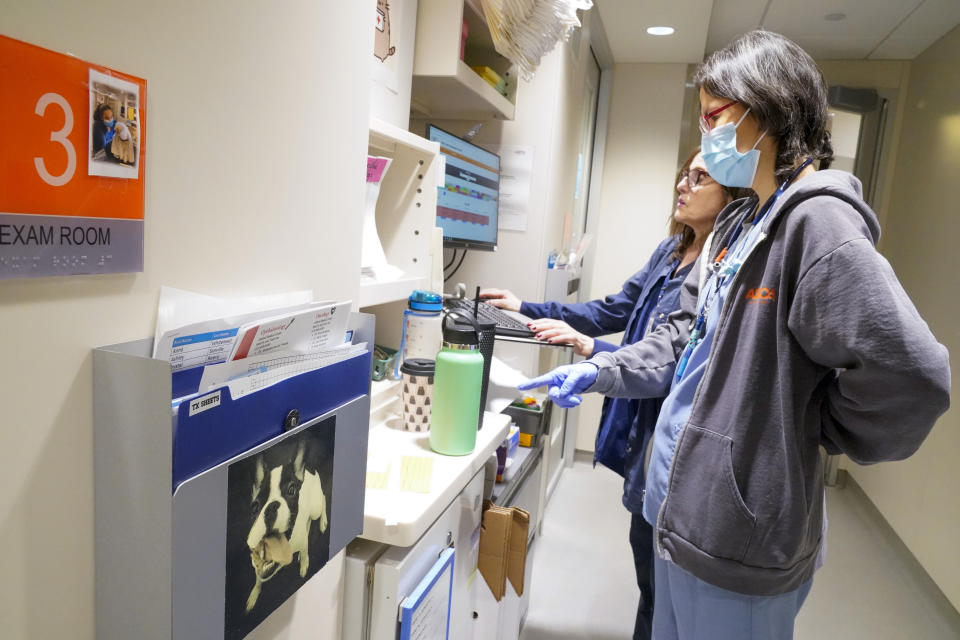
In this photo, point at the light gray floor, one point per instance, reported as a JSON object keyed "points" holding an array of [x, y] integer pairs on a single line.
{"points": [[582, 583]]}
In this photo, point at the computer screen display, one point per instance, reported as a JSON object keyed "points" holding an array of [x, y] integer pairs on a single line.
{"points": [[468, 202]]}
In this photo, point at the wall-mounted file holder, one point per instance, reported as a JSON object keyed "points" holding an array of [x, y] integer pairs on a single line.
{"points": [[203, 533]]}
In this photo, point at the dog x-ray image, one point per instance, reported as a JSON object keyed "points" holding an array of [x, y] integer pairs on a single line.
{"points": [[278, 524]]}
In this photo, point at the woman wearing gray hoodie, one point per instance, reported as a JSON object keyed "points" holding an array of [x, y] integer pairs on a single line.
{"points": [[793, 333]]}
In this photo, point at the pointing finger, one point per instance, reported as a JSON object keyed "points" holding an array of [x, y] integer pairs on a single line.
{"points": [[533, 383]]}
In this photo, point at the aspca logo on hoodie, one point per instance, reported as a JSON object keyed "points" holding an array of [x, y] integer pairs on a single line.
{"points": [[761, 295]]}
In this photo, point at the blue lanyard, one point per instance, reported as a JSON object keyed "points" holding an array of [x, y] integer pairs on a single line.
{"points": [[728, 265]]}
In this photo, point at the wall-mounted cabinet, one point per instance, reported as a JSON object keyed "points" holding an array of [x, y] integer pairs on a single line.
{"points": [[406, 212], [444, 84]]}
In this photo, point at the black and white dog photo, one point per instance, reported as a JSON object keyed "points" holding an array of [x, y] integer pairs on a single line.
{"points": [[278, 528]]}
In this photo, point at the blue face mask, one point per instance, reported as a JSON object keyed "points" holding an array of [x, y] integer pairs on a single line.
{"points": [[109, 123], [724, 163]]}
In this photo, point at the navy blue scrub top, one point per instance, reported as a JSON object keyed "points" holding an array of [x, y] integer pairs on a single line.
{"points": [[644, 302]]}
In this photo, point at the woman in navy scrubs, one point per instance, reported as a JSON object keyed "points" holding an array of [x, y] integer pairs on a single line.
{"points": [[645, 301]]}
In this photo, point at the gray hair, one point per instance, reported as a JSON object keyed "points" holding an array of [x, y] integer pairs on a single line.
{"points": [[784, 89]]}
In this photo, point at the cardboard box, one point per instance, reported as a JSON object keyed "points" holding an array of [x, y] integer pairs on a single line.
{"points": [[503, 548]]}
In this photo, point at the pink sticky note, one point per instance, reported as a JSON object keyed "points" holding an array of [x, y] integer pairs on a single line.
{"points": [[375, 168]]}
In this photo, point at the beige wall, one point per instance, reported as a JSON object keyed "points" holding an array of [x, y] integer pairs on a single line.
{"points": [[919, 496], [890, 79], [242, 197], [637, 190]]}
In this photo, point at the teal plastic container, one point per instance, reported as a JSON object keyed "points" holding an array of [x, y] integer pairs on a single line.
{"points": [[456, 390]]}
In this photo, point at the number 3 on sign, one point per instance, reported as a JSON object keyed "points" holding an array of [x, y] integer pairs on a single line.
{"points": [[57, 136]]}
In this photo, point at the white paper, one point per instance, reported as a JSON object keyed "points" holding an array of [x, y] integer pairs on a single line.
{"points": [[516, 172], [441, 163], [179, 308], [380, 273], [211, 341], [270, 374], [371, 249], [300, 332], [389, 45], [284, 364], [429, 619]]}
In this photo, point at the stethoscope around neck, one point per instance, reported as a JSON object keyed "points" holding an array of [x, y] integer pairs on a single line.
{"points": [[767, 207], [725, 267]]}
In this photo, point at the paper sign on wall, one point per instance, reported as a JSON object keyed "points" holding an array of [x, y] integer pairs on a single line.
{"points": [[516, 174], [71, 165]]}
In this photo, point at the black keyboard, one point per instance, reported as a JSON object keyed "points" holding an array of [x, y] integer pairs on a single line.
{"points": [[506, 325]]}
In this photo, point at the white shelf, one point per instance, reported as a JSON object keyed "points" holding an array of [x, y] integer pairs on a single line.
{"points": [[512, 468], [406, 211], [399, 517], [444, 86], [372, 293], [461, 95], [387, 138]]}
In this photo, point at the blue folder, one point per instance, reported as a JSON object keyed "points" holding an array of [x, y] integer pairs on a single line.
{"points": [[206, 439]]}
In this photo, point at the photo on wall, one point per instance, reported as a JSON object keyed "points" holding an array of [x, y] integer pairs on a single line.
{"points": [[278, 524], [115, 130]]}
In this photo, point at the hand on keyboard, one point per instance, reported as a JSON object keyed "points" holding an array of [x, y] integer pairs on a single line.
{"points": [[559, 332], [500, 298]]}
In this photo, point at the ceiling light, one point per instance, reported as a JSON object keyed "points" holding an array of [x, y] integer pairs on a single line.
{"points": [[835, 17], [660, 31]]}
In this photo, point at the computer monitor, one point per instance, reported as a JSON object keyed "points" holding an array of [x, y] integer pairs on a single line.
{"points": [[468, 202]]}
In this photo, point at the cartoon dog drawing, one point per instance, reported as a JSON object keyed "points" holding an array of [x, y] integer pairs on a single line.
{"points": [[286, 499]]}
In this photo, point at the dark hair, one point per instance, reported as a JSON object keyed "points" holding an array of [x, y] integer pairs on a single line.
{"points": [[784, 89], [684, 233]]}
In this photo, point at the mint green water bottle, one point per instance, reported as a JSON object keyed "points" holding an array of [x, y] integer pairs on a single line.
{"points": [[456, 389]]}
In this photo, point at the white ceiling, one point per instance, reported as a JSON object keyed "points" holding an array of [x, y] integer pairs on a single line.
{"points": [[626, 22], [872, 29]]}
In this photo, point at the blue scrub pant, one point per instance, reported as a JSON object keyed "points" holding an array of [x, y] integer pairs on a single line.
{"points": [[690, 609]]}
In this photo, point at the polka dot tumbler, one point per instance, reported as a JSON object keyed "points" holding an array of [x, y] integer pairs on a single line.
{"points": [[417, 393]]}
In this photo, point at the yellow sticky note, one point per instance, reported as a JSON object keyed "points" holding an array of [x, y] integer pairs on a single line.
{"points": [[377, 479], [416, 474]]}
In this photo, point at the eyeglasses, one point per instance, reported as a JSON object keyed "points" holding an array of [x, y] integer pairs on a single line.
{"points": [[705, 121], [694, 178]]}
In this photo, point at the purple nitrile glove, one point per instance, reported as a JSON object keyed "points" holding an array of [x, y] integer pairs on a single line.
{"points": [[565, 382]]}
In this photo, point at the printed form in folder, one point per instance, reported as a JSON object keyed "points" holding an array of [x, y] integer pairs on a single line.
{"points": [[251, 374], [215, 341], [302, 332]]}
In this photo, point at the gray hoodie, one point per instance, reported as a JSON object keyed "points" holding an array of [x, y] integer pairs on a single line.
{"points": [[817, 344]]}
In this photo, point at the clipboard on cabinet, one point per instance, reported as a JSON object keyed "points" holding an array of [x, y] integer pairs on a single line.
{"points": [[425, 613]]}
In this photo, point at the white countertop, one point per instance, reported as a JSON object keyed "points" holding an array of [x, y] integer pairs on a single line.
{"points": [[399, 518]]}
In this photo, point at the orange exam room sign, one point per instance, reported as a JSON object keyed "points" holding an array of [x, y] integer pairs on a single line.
{"points": [[71, 165]]}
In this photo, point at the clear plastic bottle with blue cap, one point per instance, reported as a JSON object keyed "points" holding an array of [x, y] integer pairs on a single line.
{"points": [[422, 334]]}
